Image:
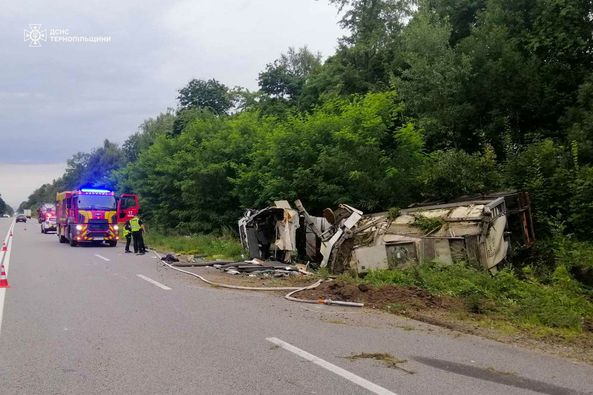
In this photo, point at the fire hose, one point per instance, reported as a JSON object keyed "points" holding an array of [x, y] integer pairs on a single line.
{"points": [[288, 296]]}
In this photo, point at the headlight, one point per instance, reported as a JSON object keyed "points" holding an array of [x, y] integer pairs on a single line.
{"points": [[78, 227], [115, 227]]}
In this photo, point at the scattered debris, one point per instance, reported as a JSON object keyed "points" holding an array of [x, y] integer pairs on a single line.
{"points": [[259, 267], [170, 258], [386, 359]]}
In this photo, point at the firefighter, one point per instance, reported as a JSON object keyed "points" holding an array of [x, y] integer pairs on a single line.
{"points": [[127, 233], [137, 228]]}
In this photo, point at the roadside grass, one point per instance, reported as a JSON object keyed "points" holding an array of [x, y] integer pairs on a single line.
{"points": [[225, 246], [559, 307]]}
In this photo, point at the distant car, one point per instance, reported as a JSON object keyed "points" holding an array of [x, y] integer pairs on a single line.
{"points": [[6, 216], [48, 225], [21, 218]]}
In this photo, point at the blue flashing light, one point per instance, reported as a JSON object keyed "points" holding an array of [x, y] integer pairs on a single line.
{"points": [[98, 191]]}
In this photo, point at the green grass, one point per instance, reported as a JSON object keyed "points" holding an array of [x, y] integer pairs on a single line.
{"points": [[521, 299], [212, 246]]}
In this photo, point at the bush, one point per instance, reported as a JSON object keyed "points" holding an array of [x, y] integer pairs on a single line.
{"points": [[452, 173]]}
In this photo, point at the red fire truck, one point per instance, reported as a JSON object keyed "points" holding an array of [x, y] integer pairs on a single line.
{"points": [[45, 211], [92, 215]]}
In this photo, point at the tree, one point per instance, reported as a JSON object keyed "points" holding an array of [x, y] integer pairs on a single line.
{"points": [[100, 164], [286, 76], [210, 95], [148, 131], [371, 21], [3, 207], [461, 14], [432, 82]]}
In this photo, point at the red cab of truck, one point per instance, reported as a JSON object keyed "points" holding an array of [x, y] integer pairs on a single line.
{"points": [[92, 215]]}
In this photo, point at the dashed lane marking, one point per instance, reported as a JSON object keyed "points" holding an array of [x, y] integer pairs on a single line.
{"points": [[150, 280]]}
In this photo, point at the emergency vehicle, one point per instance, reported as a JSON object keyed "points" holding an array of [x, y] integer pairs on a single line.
{"points": [[46, 215], [92, 215]]}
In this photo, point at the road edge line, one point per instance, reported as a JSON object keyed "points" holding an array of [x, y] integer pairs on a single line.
{"points": [[6, 258]]}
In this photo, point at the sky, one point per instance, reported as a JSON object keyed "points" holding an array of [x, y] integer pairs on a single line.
{"points": [[73, 73]]}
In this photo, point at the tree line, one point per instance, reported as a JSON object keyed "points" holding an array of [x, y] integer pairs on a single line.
{"points": [[5, 208], [422, 100]]}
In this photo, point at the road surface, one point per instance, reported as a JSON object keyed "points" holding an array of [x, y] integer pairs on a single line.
{"points": [[94, 320]]}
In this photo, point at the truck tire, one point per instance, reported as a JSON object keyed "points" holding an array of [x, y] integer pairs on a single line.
{"points": [[61, 238], [112, 243], [73, 243]]}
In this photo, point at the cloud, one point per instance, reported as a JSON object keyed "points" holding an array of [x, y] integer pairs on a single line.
{"points": [[63, 98], [17, 181]]}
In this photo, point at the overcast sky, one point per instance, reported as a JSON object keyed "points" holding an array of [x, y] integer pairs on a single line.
{"points": [[63, 97]]}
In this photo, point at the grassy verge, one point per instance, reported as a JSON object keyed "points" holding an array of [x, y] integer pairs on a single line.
{"points": [[211, 246], [559, 307]]}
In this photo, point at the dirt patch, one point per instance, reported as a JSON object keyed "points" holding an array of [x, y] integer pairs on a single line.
{"points": [[386, 359], [390, 297]]}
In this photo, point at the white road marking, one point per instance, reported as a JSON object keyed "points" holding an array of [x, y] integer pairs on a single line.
{"points": [[150, 280], [5, 258], [102, 257], [372, 387]]}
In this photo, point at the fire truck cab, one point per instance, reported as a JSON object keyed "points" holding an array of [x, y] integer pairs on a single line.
{"points": [[91, 215]]}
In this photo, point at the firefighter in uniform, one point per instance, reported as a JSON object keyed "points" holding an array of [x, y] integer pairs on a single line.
{"points": [[127, 233], [137, 228]]}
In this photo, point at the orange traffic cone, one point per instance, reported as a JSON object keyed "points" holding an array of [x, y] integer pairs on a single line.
{"points": [[3, 279], [4, 249]]}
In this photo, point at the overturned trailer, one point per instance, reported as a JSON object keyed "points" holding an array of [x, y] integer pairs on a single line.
{"points": [[479, 231]]}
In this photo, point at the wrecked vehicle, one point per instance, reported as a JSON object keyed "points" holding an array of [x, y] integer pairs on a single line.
{"points": [[271, 232], [477, 230], [284, 234]]}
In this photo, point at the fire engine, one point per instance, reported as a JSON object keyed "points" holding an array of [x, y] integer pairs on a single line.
{"points": [[92, 215], [45, 211]]}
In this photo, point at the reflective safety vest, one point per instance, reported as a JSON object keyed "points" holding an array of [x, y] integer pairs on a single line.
{"points": [[135, 224], [126, 232]]}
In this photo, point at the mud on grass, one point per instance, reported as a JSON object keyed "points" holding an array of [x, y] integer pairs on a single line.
{"points": [[389, 297]]}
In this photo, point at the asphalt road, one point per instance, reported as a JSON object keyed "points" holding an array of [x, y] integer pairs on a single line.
{"points": [[82, 320]]}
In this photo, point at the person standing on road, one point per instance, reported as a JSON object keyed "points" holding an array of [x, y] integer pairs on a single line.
{"points": [[137, 228], [127, 233]]}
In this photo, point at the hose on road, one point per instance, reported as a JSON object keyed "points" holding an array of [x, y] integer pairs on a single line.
{"points": [[320, 301], [235, 286], [288, 296]]}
